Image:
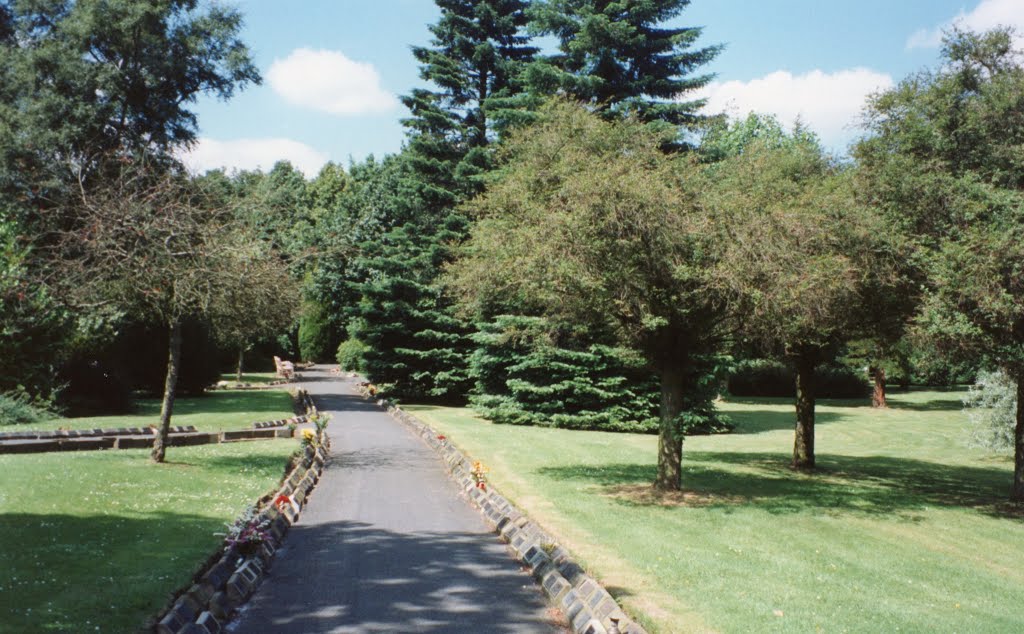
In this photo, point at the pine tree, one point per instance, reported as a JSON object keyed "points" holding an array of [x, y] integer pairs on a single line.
{"points": [[416, 347], [617, 56]]}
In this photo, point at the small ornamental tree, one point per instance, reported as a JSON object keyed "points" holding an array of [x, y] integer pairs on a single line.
{"points": [[147, 246], [590, 222], [801, 260]]}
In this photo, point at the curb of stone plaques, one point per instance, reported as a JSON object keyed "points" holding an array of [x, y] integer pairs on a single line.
{"points": [[586, 604], [229, 579]]}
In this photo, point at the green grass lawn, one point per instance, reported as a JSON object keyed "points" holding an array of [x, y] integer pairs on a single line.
{"points": [[253, 378], [901, 529], [96, 541], [215, 411]]}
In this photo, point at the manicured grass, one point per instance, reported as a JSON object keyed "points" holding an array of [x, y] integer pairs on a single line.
{"points": [[253, 378], [96, 541], [901, 529], [216, 411]]}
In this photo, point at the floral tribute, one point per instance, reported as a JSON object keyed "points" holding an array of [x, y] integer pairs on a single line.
{"points": [[480, 475], [247, 532]]}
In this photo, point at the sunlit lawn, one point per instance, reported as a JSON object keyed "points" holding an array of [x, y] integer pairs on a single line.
{"points": [[253, 378], [96, 541], [215, 411], [902, 528]]}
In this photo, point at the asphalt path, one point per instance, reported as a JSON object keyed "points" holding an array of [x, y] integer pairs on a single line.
{"points": [[386, 543]]}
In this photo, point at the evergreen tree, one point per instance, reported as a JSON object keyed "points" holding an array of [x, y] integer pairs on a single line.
{"points": [[618, 56], [478, 52], [417, 348]]}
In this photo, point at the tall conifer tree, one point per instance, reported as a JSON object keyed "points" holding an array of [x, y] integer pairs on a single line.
{"points": [[416, 346], [617, 55]]}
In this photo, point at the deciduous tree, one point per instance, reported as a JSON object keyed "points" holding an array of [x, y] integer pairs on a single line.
{"points": [[149, 246], [943, 162], [590, 222]]}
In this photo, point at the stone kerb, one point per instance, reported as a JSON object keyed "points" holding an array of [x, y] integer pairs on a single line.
{"points": [[228, 385], [31, 441], [588, 606], [227, 581]]}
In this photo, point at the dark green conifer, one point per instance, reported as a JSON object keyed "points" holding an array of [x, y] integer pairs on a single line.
{"points": [[416, 347], [619, 56]]}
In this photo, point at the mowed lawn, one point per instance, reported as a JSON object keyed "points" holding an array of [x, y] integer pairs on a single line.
{"points": [[215, 411], [902, 528], [96, 541]]}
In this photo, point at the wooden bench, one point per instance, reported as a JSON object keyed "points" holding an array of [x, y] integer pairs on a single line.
{"points": [[285, 369]]}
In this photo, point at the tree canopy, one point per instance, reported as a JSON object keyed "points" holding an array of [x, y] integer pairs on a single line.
{"points": [[589, 221]]}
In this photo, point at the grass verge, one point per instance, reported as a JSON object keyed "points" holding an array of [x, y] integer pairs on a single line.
{"points": [[216, 411], [901, 529], [252, 378], [96, 541]]}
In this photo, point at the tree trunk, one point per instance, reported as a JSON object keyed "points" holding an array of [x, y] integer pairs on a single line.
{"points": [[241, 361], [878, 393], [803, 443], [670, 439], [170, 385], [1018, 442]]}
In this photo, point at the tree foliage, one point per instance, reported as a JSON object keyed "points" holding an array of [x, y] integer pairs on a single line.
{"points": [[591, 223], [944, 158], [151, 248], [621, 58], [803, 262]]}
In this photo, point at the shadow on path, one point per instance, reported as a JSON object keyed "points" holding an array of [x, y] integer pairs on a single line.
{"points": [[418, 582]]}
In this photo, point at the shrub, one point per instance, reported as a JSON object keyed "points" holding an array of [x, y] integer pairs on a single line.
{"points": [[350, 355], [768, 377], [18, 408], [524, 379], [991, 408], [315, 333]]}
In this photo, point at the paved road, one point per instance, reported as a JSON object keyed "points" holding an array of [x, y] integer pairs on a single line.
{"points": [[387, 545]]}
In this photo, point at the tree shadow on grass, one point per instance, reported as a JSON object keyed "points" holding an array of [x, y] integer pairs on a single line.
{"points": [[934, 405], [873, 485], [72, 573], [761, 421]]}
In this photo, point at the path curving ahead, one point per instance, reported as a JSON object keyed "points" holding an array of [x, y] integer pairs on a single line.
{"points": [[386, 544]]}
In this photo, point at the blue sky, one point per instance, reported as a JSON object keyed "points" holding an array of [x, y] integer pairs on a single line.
{"points": [[333, 69]]}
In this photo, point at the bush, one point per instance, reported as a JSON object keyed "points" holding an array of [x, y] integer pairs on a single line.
{"points": [[18, 408], [524, 379], [991, 408], [767, 377], [316, 336], [350, 355]]}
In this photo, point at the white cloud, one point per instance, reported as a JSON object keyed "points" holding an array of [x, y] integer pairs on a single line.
{"points": [[987, 15], [251, 154], [828, 103], [329, 82]]}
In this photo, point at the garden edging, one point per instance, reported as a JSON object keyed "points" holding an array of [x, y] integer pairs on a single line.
{"points": [[228, 581], [587, 605]]}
